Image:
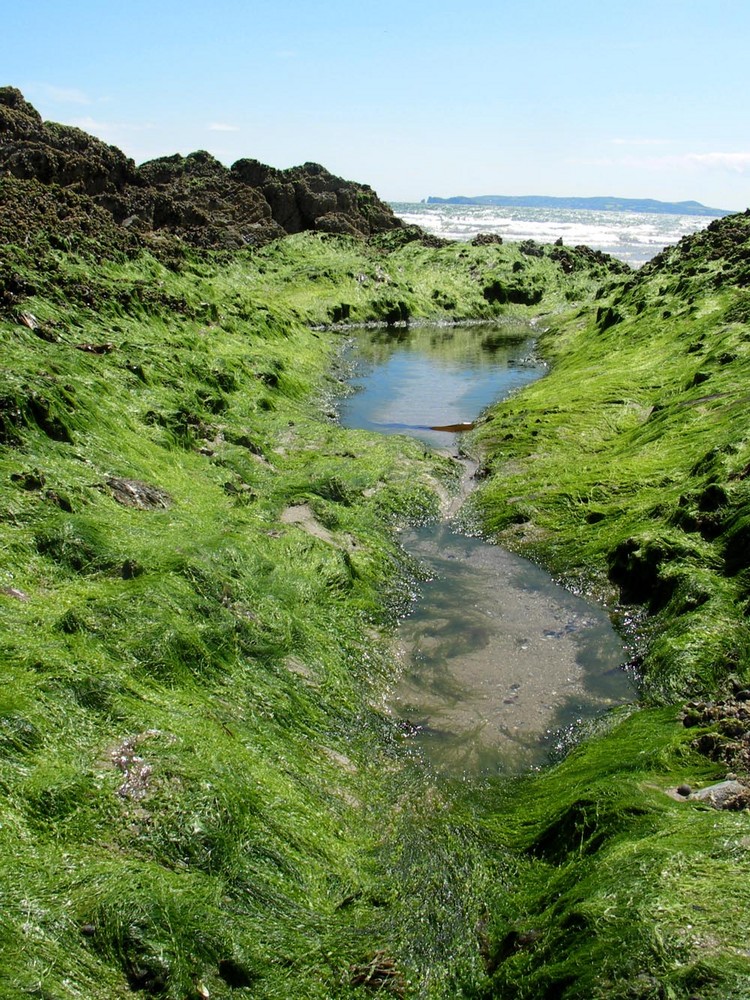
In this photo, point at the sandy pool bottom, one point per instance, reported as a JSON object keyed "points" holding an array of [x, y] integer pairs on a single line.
{"points": [[500, 663]]}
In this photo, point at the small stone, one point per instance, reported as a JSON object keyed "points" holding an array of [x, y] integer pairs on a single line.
{"points": [[691, 718], [134, 493], [725, 794], [15, 593], [88, 930], [731, 727], [29, 320]]}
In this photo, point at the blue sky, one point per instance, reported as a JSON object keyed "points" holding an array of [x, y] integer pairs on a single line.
{"points": [[644, 98]]}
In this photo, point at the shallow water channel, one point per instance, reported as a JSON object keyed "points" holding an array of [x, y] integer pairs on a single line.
{"points": [[501, 665]]}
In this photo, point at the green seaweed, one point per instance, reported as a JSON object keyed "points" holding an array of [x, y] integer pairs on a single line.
{"points": [[202, 794]]}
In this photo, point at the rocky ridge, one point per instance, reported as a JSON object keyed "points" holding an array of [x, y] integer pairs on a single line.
{"points": [[68, 180]]}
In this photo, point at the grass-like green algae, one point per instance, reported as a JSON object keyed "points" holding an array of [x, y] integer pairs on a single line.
{"points": [[201, 795]]}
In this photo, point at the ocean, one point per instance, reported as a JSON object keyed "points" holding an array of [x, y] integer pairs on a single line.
{"points": [[634, 237]]}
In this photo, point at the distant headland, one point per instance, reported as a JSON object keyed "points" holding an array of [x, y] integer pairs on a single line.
{"points": [[649, 205]]}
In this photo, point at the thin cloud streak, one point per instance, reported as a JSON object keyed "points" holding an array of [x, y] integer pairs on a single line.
{"points": [[221, 127], [738, 163], [639, 142], [97, 127], [61, 95]]}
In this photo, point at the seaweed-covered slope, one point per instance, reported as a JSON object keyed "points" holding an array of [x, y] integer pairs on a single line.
{"points": [[626, 471], [195, 565], [630, 461]]}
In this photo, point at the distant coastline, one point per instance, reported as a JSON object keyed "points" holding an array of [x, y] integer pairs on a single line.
{"points": [[645, 205]]}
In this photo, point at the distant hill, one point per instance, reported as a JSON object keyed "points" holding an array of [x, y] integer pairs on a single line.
{"points": [[649, 205]]}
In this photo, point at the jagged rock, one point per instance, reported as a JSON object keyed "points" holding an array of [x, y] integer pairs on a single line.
{"points": [[336, 222], [11, 97], [197, 198], [134, 493], [487, 239], [30, 209], [57, 154], [194, 198]]}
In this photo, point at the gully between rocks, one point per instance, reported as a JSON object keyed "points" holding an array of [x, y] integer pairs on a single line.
{"points": [[500, 665]]}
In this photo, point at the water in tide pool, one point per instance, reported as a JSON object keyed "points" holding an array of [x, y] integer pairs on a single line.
{"points": [[634, 237], [409, 381], [501, 665]]}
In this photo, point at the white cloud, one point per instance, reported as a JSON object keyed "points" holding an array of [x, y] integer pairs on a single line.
{"points": [[60, 95], [89, 124], [100, 128], [738, 163], [223, 127]]}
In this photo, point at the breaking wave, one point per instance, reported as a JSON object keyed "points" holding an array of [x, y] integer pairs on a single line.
{"points": [[634, 237]]}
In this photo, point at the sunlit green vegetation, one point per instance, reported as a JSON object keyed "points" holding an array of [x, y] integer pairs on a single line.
{"points": [[202, 795], [625, 472]]}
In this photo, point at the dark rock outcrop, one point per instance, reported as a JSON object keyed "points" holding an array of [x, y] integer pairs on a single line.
{"points": [[70, 181], [31, 149]]}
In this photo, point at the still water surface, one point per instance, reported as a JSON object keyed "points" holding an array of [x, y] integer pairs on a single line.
{"points": [[500, 664], [409, 380]]}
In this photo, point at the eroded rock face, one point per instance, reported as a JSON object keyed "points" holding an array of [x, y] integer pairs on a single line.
{"points": [[199, 199], [194, 197], [57, 154]]}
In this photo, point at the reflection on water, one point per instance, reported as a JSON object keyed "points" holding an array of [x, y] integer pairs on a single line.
{"points": [[408, 381], [498, 660]]}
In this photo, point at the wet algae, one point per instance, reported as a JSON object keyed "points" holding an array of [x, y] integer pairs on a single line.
{"points": [[201, 794]]}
